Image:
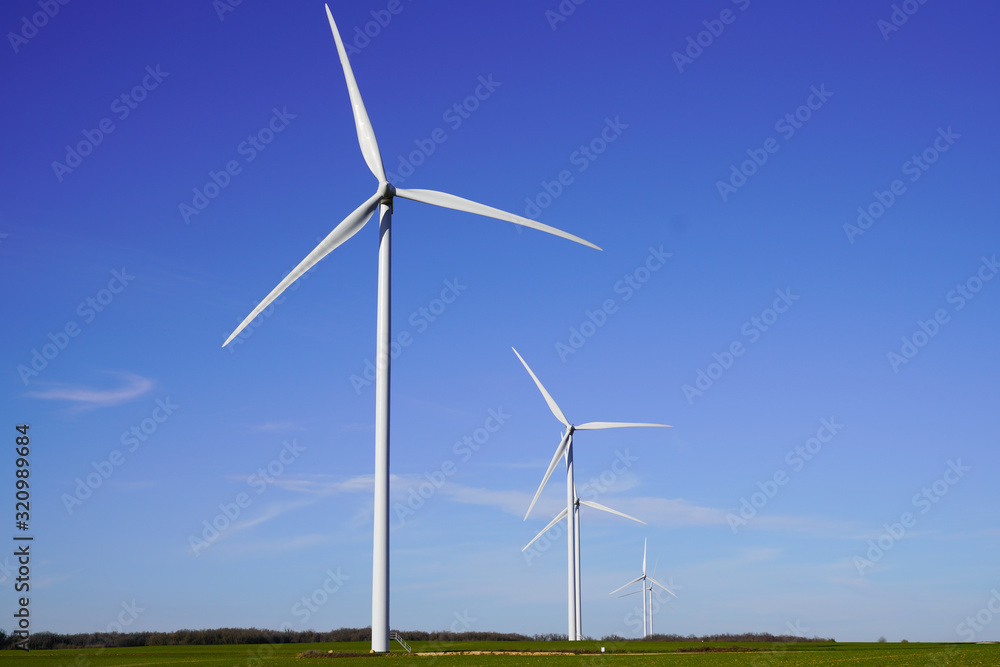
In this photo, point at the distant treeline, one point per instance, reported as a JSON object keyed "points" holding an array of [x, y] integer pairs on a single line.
{"points": [[743, 637], [51, 640]]}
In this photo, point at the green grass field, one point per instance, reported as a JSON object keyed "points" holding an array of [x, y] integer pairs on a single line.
{"points": [[625, 654]]}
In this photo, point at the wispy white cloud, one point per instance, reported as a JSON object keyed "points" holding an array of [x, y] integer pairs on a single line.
{"points": [[274, 546], [270, 427], [511, 502], [669, 512], [89, 397], [272, 511], [328, 485], [654, 511], [519, 465]]}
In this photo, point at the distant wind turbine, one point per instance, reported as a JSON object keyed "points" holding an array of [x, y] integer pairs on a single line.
{"points": [[382, 200], [576, 539], [645, 579], [565, 449]]}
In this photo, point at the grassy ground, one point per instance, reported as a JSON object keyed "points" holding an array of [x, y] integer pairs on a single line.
{"points": [[625, 654]]}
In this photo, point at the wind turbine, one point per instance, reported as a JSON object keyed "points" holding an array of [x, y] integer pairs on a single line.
{"points": [[382, 201], [576, 538], [565, 449], [645, 579]]}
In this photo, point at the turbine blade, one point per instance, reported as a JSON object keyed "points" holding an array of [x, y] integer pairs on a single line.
{"points": [[459, 204], [548, 473], [345, 230], [626, 585], [598, 506], [589, 426], [662, 586], [559, 517], [546, 395], [366, 134], [632, 593], [644, 558]]}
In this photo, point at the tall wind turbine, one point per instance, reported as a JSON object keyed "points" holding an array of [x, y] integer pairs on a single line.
{"points": [[645, 579], [382, 201], [565, 449], [576, 538]]}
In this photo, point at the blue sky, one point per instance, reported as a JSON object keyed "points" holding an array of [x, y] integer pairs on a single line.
{"points": [[831, 382]]}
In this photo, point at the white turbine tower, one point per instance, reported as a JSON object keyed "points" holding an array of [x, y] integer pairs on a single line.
{"points": [[576, 538], [565, 449], [645, 579], [382, 201]]}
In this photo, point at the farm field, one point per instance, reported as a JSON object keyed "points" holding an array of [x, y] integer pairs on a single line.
{"points": [[457, 654]]}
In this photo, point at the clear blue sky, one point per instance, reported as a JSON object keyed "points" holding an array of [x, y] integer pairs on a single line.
{"points": [[747, 164]]}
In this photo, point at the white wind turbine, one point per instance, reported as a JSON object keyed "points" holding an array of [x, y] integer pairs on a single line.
{"points": [[565, 449], [645, 579], [576, 538], [382, 201]]}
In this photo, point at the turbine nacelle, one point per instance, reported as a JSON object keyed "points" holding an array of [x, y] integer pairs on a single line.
{"points": [[347, 228], [573, 502], [565, 447], [576, 506], [645, 580], [353, 223]]}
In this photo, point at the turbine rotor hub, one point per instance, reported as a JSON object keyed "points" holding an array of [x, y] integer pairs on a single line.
{"points": [[388, 192]]}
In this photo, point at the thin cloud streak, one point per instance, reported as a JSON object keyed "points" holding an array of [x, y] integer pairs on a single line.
{"points": [[87, 397]]}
